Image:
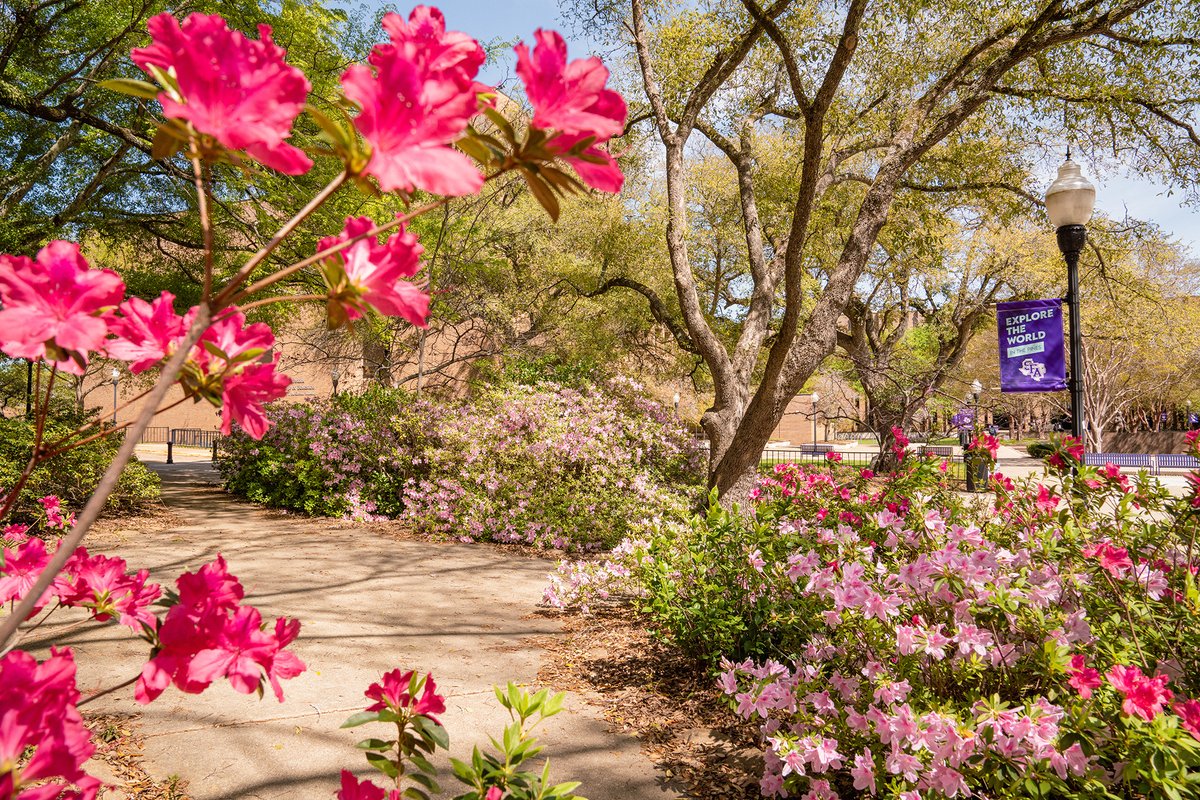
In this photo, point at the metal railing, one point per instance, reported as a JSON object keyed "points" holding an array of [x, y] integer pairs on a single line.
{"points": [[191, 437], [809, 456], [155, 434]]}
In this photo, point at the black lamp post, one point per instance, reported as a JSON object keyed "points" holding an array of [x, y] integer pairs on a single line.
{"points": [[116, 376], [815, 398], [1069, 204], [976, 469], [335, 376]]}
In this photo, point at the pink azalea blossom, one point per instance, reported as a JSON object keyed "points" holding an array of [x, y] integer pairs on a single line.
{"points": [[237, 90], [1083, 678], [247, 383], [1189, 716], [353, 789], [38, 710], [1112, 558], [571, 100], [53, 306], [101, 584], [1144, 696], [393, 692], [55, 518], [22, 566], [416, 102], [208, 635], [375, 273], [145, 333]]}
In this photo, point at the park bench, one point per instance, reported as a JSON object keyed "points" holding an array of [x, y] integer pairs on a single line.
{"points": [[1177, 461], [1133, 460], [942, 450], [816, 449]]}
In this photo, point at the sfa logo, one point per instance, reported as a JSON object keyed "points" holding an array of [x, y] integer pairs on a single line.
{"points": [[1033, 369]]}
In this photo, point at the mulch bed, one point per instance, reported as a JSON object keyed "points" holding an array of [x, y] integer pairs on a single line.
{"points": [[645, 687], [118, 761]]}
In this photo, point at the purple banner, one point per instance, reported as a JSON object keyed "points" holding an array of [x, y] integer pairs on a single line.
{"points": [[1031, 346]]}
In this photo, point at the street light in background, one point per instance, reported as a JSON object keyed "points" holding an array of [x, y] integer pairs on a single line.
{"points": [[815, 398], [116, 376], [335, 376], [976, 470], [1070, 201]]}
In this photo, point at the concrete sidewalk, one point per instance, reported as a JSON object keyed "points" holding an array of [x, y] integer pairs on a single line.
{"points": [[368, 604]]}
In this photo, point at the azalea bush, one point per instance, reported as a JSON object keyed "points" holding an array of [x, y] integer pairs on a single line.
{"points": [[350, 455], [554, 467], [546, 465], [413, 122], [891, 638], [71, 475], [409, 701]]}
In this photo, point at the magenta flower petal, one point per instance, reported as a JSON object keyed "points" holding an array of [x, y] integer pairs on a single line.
{"points": [[235, 89]]}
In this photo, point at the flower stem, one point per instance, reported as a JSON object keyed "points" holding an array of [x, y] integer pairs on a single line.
{"points": [[95, 503], [224, 298]]}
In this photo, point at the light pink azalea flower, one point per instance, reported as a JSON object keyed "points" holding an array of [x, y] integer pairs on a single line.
{"points": [[571, 100], [863, 771], [53, 306], [416, 102], [237, 90], [375, 273]]}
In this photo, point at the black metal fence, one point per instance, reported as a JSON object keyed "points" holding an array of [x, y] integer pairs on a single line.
{"points": [[193, 437], [155, 435], [818, 455]]}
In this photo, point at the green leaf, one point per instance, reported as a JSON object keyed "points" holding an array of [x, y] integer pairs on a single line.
{"points": [[165, 144], [434, 731], [543, 194], [426, 781], [133, 88], [563, 789], [374, 744], [475, 149], [462, 771], [384, 764], [414, 793], [361, 718]]}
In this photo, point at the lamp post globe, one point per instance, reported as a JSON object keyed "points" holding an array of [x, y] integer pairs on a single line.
{"points": [[1070, 201], [334, 377]]}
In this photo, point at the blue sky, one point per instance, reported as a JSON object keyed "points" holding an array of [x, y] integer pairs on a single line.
{"points": [[1116, 195]]}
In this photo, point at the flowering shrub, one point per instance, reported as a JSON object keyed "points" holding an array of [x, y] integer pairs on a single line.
{"points": [[894, 639], [410, 701], [345, 456], [554, 467], [546, 465], [406, 124], [71, 475]]}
